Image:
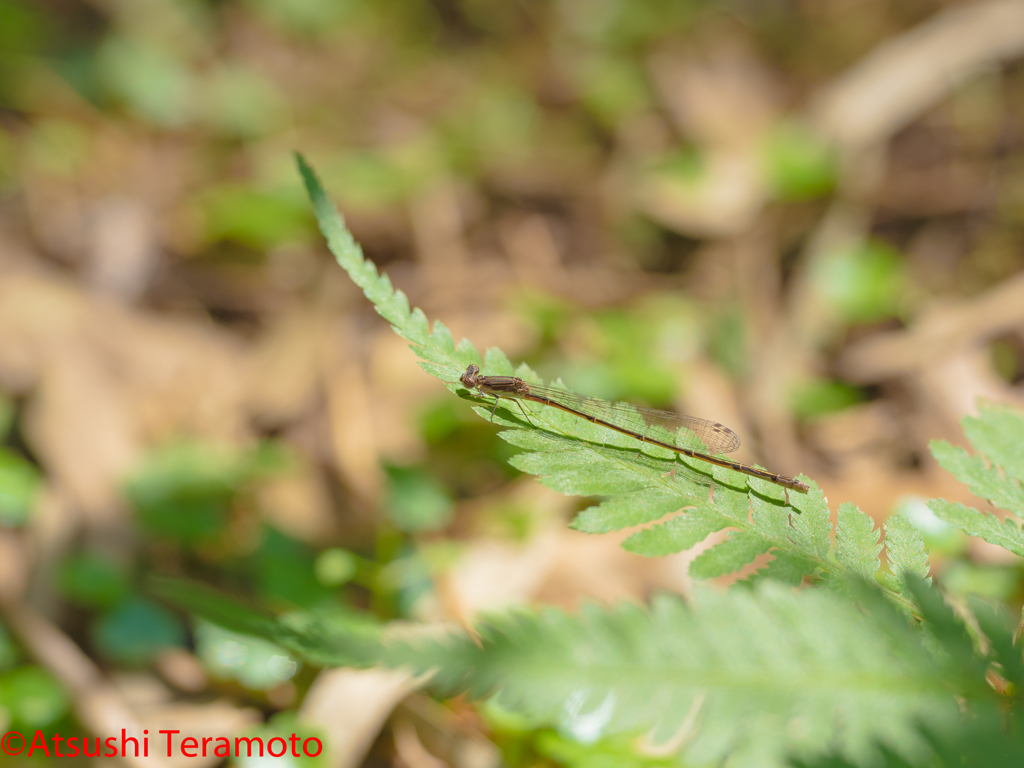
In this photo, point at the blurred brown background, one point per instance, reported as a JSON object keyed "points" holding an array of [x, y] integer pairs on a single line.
{"points": [[802, 219]]}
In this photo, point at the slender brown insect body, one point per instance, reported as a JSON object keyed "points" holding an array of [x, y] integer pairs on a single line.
{"points": [[632, 420]]}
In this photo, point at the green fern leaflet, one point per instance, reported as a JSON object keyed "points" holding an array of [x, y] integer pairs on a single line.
{"points": [[576, 457]]}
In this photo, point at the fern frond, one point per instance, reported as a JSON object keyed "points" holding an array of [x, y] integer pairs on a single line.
{"points": [[1005, 533], [644, 484], [996, 474], [984, 479], [764, 672], [904, 546], [857, 545]]}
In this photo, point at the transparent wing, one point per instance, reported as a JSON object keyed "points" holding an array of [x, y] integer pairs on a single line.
{"points": [[716, 438]]}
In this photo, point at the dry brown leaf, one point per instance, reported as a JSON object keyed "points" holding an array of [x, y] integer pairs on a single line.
{"points": [[299, 504], [218, 719], [106, 381], [14, 566], [411, 752], [939, 332], [182, 669], [595, 567], [283, 370], [183, 376], [350, 707], [951, 387], [350, 409], [726, 100], [494, 574], [122, 253], [37, 316], [905, 76], [79, 425], [723, 201]]}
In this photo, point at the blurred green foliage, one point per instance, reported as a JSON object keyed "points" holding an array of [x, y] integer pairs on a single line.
{"points": [[91, 580], [335, 566], [32, 697], [622, 354], [285, 574], [417, 501], [309, 17], [20, 484], [521, 106], [7, 415], [605, 753], [136, 631], [185, 490], [282, 726], [23, 31], [863, 283], [727, 340], [8, 650], [257, 219], [613, 87], [374, 179], [1006, 359], [941, 538], [254, 663], [818, 397], [150, 80], [995, 582], [685, 163], [797, 164], [58, 147]]}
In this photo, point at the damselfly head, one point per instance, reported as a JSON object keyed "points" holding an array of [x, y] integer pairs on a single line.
{"points": [[469, 377]]}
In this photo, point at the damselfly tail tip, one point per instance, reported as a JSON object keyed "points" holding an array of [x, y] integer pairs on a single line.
{"points": [[797, 485]]}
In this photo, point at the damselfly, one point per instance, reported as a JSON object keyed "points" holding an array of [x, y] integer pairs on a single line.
{"points": [[645, 424]]}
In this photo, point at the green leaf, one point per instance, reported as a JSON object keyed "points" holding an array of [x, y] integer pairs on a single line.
{"points": [[675, 535], [9, 654], [821, 396], [20, 482], [811, 528], [772, 671], [283, 726], [253, 662], [89, 580], [642, 483], [417, 501], [995, 622], [184, 489], [904, 547], [336, 566], [628, 509], [434, 347], [864, 282], [252, 217], [336, 638], [33, 697], [984, 480], [857, 544], [737, 550], [997, 433], [285, 572], [7, 409], [798, 164], [787, 567], [947, 628], [572, 751], [1004, 533], [995, 475], [136, 632]]}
